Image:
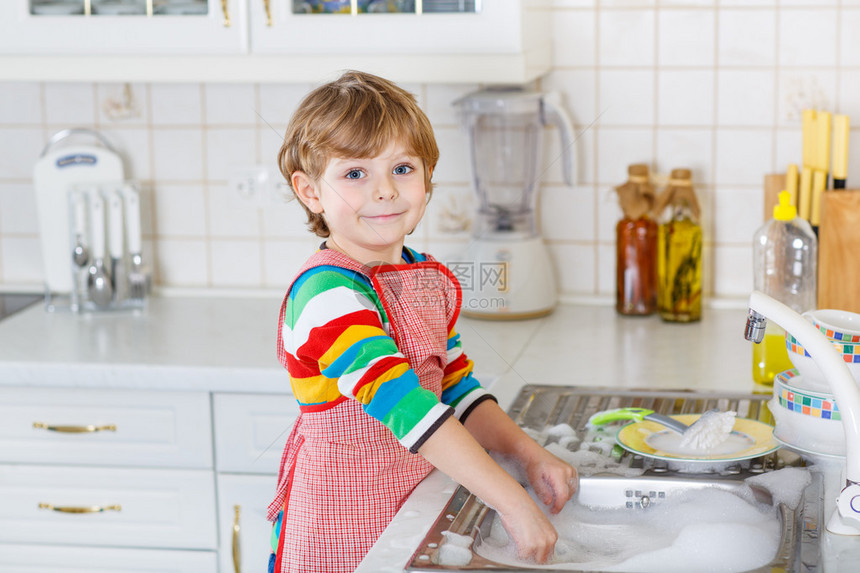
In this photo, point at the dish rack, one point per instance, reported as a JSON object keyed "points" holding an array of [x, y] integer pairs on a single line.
{"points": [[89, 224]]}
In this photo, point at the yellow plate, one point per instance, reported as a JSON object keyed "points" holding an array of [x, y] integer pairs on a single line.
{"points": [[750, 439]]}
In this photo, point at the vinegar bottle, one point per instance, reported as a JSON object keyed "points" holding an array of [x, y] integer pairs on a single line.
{"points": [[785, 254], [679, 252], [636, 246]]}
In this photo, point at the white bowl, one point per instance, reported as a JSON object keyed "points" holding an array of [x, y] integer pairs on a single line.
{"points": [[808, 368], [836, 324], [805, 420]]}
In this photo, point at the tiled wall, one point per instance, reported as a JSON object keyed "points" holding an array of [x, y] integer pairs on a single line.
{"points": [[713, 85]]}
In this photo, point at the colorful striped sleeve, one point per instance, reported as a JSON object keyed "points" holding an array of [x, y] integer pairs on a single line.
{"points": [[460, 389], [336, 336]]}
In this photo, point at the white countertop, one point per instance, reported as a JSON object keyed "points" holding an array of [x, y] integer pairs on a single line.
{"points": [[227, 344]]}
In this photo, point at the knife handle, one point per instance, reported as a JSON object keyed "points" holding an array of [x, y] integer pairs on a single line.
{"points": [[115, 239], [132, 218]]}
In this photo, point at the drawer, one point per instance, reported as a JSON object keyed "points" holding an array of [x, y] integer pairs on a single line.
{"points": [[139, 507], [105, 427], [251, 430], [243, 501], [33, 558]]}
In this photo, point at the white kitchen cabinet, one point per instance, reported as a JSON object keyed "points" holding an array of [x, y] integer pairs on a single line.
{"points": [[18, 558], [251, 430], [244, 530], [107, 507], [105, 427], [503, 43]]}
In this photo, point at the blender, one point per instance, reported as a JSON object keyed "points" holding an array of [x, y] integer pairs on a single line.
{"points": [[505, 271]]}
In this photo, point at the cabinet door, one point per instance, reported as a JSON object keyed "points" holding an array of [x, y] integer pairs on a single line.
{"points": [[251, 430], [66, 559], [107, 507], [158, 27], [243, 527], [497, 27], [105, 427]]}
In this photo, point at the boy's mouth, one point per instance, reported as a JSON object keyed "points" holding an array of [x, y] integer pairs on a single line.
{"points": [[384, 218]]}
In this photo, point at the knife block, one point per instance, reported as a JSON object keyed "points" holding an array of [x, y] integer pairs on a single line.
{"points": [[839, 250]]}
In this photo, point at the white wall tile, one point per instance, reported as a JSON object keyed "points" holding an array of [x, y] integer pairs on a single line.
{"points": [[789, 149], [606, 267], [685, 97], [746, 38], [451, 212], [743, 156], [278, 102], [178, 154], [453, 166], [283, 259], [22, 260], [732, 270], [626, 97], [177, 104], [608, 211], [737, 213], [229, 104], [287, 221], [69, 105], [18, 214], [229, 150], [686, 148], [20, 103], [228, 217], [574, 38], [19, 150], [849, 49], [686, 38], [746, 98], [807, 37], [625, 38], [236, 263], [618, 148], [181, 263], [180, 210], [800, 89], [574, 268], [133, 146], [439, 103], [567, 213]]}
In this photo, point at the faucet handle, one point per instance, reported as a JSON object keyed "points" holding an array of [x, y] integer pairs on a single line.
{"points": [[848, 503]]}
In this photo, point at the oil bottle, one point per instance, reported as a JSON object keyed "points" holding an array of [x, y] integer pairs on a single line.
{"points": [[636, 246], [679, 251], [785, 255]]}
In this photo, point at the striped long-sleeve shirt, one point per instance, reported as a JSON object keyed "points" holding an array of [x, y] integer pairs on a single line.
{"points": [[338, 346]]}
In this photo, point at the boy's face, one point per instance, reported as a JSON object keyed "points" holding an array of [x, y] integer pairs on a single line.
{"points": [[369, 204]]}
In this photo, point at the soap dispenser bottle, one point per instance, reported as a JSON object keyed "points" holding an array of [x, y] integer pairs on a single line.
{"points": [[785, 255]]}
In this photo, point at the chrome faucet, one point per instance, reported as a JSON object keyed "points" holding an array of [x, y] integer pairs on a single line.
{"points": [[846, 518]]}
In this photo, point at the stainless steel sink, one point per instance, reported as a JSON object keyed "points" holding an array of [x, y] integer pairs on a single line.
{"points": [[540, 407]]}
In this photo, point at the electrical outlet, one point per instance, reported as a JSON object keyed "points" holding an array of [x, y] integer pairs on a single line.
{"points": [[253, 187]]}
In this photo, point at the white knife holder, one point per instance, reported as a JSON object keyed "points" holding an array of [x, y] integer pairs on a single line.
{"points": [[105, 259]]}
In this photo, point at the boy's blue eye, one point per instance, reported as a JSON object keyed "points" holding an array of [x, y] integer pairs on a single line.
{"points": [[354, 174], [403, 169]]}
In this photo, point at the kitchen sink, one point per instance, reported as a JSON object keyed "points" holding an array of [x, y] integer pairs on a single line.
{"points": [[625, 509]]}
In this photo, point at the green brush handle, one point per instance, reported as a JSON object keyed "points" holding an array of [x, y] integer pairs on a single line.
{"points": [[608, 416]]}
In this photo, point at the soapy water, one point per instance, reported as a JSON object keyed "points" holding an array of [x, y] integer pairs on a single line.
{"points": [[673, 443], [699, 530]]}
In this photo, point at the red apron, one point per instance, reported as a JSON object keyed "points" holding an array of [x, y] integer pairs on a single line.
{"points": [[343, 474]]}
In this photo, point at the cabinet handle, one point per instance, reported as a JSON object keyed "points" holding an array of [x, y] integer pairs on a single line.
{"points": [[75, 429], [80, 509], [237, 552], [226, 13], [267, 6]]}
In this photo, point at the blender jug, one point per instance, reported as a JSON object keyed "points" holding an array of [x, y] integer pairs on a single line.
{"points": [[511, 275]]}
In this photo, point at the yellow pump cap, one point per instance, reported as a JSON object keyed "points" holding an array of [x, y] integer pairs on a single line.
{"points": [[785, 211]]}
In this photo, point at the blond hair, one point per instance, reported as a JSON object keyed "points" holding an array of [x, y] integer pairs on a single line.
{"points": [[358, 115]]}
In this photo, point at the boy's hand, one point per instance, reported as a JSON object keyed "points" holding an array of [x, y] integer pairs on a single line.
{"points": [[532, 533], [553, 480]]}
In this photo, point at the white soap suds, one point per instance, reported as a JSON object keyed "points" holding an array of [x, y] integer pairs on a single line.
{"points": [[455, 550], [709, 431]]}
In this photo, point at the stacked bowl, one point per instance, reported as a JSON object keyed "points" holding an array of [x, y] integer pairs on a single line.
{"points": [[806, 414]]}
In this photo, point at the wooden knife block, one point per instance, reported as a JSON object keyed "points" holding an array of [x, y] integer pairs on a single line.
{"points": [[839, 250]]}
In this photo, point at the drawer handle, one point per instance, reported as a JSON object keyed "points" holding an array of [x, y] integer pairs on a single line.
{"points": [[267, 6], [237, 553], [226, 13], [75, 429], [80, 509]]}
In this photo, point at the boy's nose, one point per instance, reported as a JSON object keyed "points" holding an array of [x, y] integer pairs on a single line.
{"points": [[387, 189]]}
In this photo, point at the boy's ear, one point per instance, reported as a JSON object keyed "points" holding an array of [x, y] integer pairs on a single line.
{"points": [[306, 191]]}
